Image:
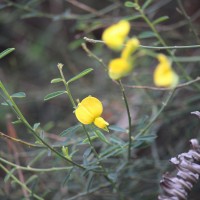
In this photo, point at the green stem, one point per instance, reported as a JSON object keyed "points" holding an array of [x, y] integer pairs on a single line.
{"points": [[25, 122], [20, 183], [97, 157], [129, 117], [66, 85], [189, 21], [28, 168], [151, 25], [164, 104]]}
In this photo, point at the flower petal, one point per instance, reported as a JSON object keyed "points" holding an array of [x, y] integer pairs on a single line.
{"points": [[164, 75], [101, 123], [115, 35], [93, 105], [131, 47], [119, 68]]}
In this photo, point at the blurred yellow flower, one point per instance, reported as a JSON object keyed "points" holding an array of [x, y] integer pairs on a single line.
{"points": [[89, 111], [131, 46], [164, 75], [115, 35], [118, 68]]}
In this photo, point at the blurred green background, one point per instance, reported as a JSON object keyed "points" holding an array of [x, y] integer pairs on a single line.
{"points": [[47, 32]]}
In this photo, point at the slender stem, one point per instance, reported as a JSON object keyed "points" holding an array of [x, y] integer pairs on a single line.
{"points": [[25, 122], [97, 157], [162, 89], [129, 118], [20, 183], [60, 66], [189, 21], [171, 47], [28, 168], [151, 25], [164, 104], [149, 47], [18, 140], [91, 54]]}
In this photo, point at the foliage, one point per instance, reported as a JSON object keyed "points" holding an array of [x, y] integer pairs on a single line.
{"points": [[76, 146]]}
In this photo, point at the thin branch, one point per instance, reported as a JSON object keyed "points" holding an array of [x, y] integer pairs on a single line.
{"points": [[28, 168], [148, 47], [162, 89], [90, 54], [88, 192], [18, 140], [19, 182]]}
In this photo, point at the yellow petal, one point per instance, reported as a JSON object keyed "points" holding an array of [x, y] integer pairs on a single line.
{"points": [[131, 47], [101, 123], [164, 75], [88, 109], [93, 105], [115, 35], [119, 68], [83, 115]]}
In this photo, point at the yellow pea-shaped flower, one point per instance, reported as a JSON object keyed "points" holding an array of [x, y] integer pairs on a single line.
{"points": [[130, 47], [89, 111], [115, 35], [164, 75], [118, 68]]}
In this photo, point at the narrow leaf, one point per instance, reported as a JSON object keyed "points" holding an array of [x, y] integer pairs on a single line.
{"points": [[72, 129], [17, 122], [8, 103], [147, 34], [86, 141], [7, 177], [160, 19], [117, 128], [53, 95], [130, 4], [83, 73], [35, 126], [19, 95], [147, 138], [146, 4], [6, 52], [56, 80], [101, 136]]}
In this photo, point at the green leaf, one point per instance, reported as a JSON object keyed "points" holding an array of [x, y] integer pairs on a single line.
{"points": [[130, 4], [9, 174], [56, 80], [31, 179], [86, 141], [147, 138], [146, 4], [101, 136], [72, 129], [8, 103], [17, 122], [133, 17], [117, 140], [117, 128], [6, 52], [160, 19], [35, 126], [18, 95], [83, 73], [53, 95], [147, 34]]}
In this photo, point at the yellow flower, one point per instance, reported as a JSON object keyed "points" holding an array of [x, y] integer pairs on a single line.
{"points": [[89, 111], [164, 75], [115, 35], [118, 68], [131, 47]]}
